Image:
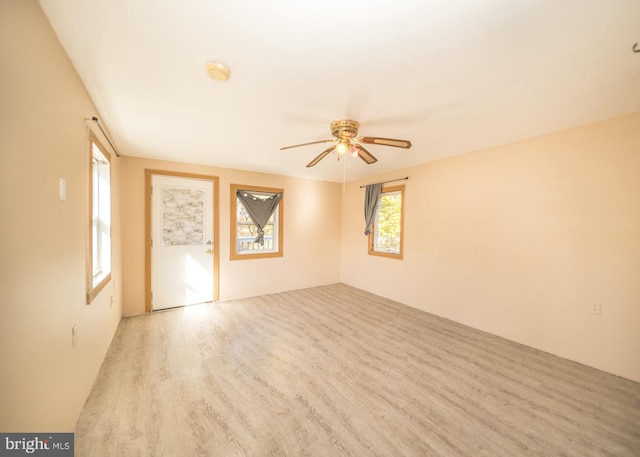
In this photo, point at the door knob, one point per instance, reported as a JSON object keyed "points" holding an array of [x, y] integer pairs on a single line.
{"points": [[209, 251]]}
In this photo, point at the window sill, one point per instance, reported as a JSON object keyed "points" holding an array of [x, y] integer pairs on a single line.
{"points": [[95, 290], [389, 255]]}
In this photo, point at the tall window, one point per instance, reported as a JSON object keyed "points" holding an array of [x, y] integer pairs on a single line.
{"points": [[99, 252], [386, 237], [246, 242]]}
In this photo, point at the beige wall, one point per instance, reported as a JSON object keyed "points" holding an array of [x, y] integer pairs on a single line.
{"points": [[44, 381], [517, 240], [311, 233], [520, 241]]}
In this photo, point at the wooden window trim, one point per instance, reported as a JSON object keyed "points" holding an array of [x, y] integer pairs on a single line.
{"points": [[233, 254], [94, 290], [371, 239]]}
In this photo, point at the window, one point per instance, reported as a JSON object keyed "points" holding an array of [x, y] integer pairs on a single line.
{"points": [[386, 237], [99, 251], [244, 231]]}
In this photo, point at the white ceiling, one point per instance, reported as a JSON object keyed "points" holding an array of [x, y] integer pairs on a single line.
{"points": [[452, 76]]}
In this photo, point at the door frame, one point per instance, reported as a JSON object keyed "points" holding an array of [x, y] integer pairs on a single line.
{"points": [[148, 174]]}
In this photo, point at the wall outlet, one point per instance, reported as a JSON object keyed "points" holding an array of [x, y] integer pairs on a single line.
{"points": [[74, 336], [596, 308]]}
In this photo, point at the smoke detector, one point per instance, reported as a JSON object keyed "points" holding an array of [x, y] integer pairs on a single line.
{"points": [[218, 71]]}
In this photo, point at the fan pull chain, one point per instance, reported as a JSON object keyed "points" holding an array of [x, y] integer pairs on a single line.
{"points": [[344, 177]]}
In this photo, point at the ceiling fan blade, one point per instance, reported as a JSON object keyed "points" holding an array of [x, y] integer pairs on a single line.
{"points": [[385, 141], [365, 155], [320, 157], [306, 144]]}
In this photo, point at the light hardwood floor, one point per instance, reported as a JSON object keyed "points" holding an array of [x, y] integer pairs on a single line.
{"points": [[335, 371]]}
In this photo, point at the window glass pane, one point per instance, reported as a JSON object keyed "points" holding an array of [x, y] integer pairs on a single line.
{"points": [[388, 223], [247, 231], [104, 218], [95, 266]]}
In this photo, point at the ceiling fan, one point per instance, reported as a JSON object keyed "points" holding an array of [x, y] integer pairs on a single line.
{"points": [[346, 141]]}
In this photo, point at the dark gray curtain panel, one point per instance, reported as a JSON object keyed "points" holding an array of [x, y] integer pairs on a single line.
{"points": [[371, 196], [259, 209]]}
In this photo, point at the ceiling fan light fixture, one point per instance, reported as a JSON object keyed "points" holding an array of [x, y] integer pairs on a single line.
{"points": [[218, 71], [345, 141], [342, 147]]}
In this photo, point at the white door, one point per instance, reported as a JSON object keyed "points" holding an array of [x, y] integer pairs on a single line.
{"points": [[182, 241]]}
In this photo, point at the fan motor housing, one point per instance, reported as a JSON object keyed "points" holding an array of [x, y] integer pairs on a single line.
{"points": [[344, 129]]}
